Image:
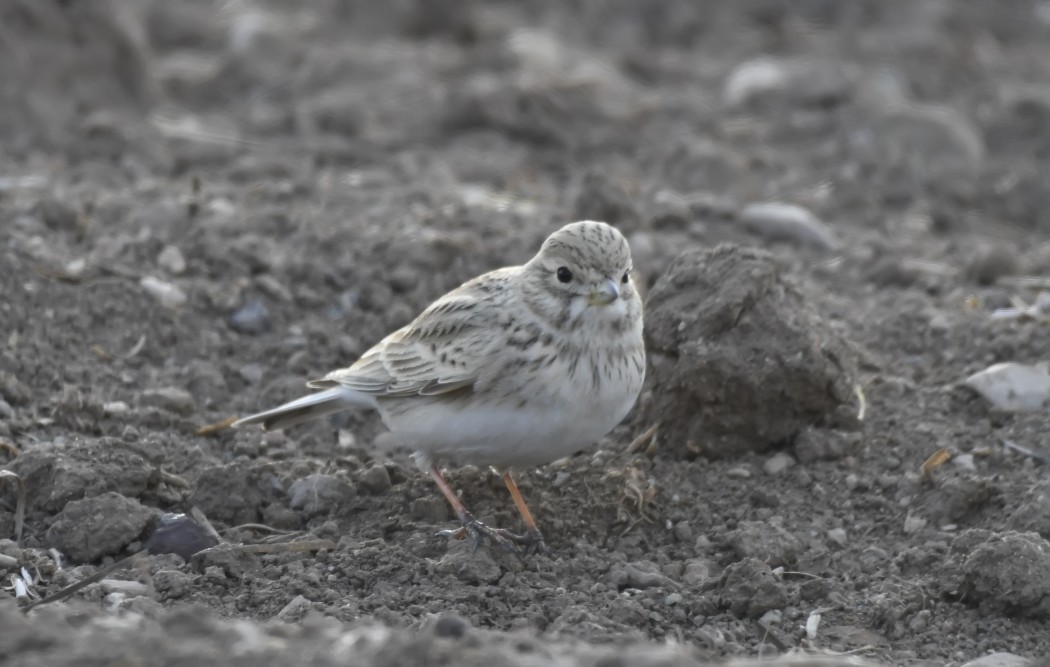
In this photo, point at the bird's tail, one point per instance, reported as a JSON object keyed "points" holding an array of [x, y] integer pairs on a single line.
{"points": [[307, 408]]}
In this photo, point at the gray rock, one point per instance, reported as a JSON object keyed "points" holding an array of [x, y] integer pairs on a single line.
{"points": [[764, 541], [253, 318], [236, 493], [838, 537], [167, 294], [171, 260], [467, 565], [778, 464], [1000, 659], [1033, 514], [127, 588], [56, 474], [430, 509], [88, 529], [319, 494], [749, 589], [294, 610], [375, 480], [171, 399]]}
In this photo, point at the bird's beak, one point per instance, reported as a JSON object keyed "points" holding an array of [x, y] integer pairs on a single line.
{"points": [[604, 294]]}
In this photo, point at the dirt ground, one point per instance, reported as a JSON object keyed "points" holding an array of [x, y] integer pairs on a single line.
{"points": [[205, 204]]}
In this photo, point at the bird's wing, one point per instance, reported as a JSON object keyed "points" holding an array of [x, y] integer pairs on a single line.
{"points": [[441, 351]]}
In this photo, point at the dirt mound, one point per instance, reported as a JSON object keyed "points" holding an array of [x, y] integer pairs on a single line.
{"points": [[740, 360]]}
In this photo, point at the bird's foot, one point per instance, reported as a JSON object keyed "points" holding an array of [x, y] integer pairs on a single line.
{"points": [[532, 542], [478, 532]]}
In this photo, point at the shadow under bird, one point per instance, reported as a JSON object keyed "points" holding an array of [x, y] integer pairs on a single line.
{"points": [[518, 367]]}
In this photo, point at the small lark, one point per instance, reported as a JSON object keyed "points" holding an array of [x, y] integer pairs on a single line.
{"points": [[518, 367]]}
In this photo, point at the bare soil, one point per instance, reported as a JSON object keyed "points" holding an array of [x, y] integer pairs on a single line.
{"points": [[205, 204]]}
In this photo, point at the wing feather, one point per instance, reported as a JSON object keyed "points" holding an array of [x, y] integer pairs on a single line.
{"points": [[441, 351]]}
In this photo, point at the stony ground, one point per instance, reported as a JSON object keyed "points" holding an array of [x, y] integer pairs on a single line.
{"points": [[205, 204]]}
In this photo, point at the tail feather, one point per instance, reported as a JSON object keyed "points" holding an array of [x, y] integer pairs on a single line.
{"points": [[307, 408]]}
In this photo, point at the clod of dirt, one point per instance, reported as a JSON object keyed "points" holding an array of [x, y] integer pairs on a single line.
{"points": [[957, 498], [56, 474], [236, 493], [319, 494], [749, 589], [1033, 515], [12, 389], [469, 566], [638, 575], [1003, 573], [740, 361], [823, 444], [375, 480], [764, 541], [89, 529]]}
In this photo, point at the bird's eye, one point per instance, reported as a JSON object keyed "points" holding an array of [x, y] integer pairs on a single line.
{"points": [[626, 276], [564, 274]]}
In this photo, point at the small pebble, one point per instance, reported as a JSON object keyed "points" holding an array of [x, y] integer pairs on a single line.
{"points": [[778, 463], [838, 537], [771, 618], [561, 478], [115, 409], [253, 318], [1001, 659], [171, 260], [375, 480], [740, 472], [913, 523], [172, 399], [179, 534], [317, 494], [673, 599], [450, 626], [167, 294], [127, 588], [252, 373], [683, 532], [6, 411]]}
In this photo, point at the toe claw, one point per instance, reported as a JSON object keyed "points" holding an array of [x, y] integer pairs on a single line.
{"points": [[478, 532]]}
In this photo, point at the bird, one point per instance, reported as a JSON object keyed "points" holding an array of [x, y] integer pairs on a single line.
{"points": [[519, 367]]}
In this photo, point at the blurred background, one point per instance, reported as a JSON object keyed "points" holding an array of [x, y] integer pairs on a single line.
{"points": [[205, 202]]}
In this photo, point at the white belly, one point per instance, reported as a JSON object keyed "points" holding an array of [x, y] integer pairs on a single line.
{"points": [[508, 434]]}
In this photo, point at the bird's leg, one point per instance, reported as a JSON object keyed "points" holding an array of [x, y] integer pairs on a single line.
{"points": [[533, 538], [471, 526]]}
